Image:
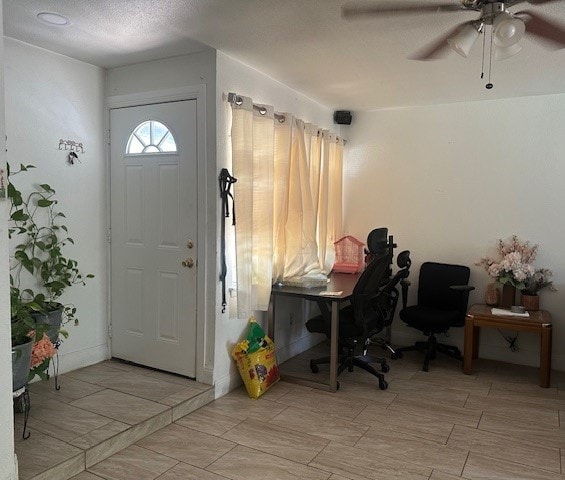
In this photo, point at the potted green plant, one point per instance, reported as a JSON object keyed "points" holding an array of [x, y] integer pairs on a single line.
{"points": [[542, 278], [38, 261], [22, 325], [32, 348]]}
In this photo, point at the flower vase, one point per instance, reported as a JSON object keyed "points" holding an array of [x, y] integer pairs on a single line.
{"points": [[508, 296], [530, 302], [492, 295]]}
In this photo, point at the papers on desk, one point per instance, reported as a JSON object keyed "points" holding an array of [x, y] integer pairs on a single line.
{"points": [[331, 294], [508, 313]]}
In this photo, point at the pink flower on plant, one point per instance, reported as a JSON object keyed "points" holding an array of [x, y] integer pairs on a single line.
{"points": [[42, 350]]}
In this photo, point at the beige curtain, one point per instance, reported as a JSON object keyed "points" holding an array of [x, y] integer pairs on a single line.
{"points": [[299, 252], [288, 197], [252, 159], [326, 167], [333, 212]]}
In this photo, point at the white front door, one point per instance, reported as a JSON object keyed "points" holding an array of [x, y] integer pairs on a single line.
{"points": [[153, 235]]}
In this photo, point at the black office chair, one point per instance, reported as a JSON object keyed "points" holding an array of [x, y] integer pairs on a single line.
{"points": [[379, 242], [363, 318], [443, 293]]}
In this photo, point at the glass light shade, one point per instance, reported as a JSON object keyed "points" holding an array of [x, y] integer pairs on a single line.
{"points": [[53, 19], [502, 53], [463, 41], [508, 30]]}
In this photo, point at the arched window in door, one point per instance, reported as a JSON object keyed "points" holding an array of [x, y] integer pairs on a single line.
{"points": [[151, 136]]}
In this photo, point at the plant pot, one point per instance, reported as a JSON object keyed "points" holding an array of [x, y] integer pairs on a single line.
{"points": [[530, 302], [21, 364], [54, 319]]}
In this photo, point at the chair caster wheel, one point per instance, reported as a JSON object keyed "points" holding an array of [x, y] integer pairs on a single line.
{"points": [[396, 355], [384, 367], [383, 385], [314, 368]]}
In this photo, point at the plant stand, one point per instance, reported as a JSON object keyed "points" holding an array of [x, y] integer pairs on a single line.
{"points": [[55, 361], [23, 402]]}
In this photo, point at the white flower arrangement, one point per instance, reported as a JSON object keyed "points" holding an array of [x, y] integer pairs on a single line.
{"points": [[516, 266]]}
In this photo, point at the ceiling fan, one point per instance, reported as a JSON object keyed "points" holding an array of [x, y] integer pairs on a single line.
{"points": [[507, 28]]}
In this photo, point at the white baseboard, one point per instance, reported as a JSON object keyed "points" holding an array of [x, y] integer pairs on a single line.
{"points": [[227, 383], [83, 358], [13, 475], [298, 346]]}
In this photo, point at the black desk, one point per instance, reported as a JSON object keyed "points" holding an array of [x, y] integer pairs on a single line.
{"points": [[343, 282]]}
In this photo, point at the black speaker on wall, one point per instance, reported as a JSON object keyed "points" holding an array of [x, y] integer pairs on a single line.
{"points": [[342, 117]]}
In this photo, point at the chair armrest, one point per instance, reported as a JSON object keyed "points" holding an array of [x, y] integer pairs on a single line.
{"points": [[462, 288], [404, 284]]}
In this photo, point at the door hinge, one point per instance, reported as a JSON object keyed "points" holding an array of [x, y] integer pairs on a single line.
{"points": [[109, 137], [110, 331], [109, 236]]}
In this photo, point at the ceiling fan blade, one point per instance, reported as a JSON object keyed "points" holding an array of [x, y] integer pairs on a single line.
{"points": [[363, 10], [540, 2], [510, 3], [553, 33], [439, 48]]}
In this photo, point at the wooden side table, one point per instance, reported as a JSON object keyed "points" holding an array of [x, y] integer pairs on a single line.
{"points": [[538, 322]]}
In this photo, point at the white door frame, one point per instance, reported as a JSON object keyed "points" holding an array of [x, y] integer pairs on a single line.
{"points": [[205, 315]]}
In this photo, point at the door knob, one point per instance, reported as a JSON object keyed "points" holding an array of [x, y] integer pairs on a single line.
{"points": [[188, 263], [190, 244]]}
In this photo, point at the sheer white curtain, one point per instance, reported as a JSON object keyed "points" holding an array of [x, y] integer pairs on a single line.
{"points": [[288, 198]]}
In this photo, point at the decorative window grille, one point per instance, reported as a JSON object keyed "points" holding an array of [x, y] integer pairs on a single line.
{"points": [[152, 137]]}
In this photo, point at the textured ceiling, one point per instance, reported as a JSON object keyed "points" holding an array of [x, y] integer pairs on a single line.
{"points": [[360, 64]]}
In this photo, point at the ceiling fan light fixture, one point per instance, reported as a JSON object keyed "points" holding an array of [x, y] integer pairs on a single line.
{"points": [[502, 53], [53, 19], [508, 30], [463, 41]]}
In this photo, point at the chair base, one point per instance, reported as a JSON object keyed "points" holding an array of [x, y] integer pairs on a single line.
{"points": [[381, 342], [431, 347], [349, 360]]}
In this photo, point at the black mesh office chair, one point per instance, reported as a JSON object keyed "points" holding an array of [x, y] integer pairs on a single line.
{"points": [[379, 242], [363, 318], [443, 293]]}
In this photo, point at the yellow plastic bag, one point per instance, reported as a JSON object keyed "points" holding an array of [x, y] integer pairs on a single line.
{"points": [[256, 361]]}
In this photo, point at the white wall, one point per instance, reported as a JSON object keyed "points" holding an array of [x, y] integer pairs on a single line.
{"points": [[51, 97], [233, 76], [449, 180], [7, 458]]}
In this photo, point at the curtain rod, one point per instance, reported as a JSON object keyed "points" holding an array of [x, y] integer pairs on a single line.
{"points": [[238, 100]]}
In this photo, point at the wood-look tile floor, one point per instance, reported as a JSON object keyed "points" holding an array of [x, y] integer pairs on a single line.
{"points": [[436, 425], [98, 411]]}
